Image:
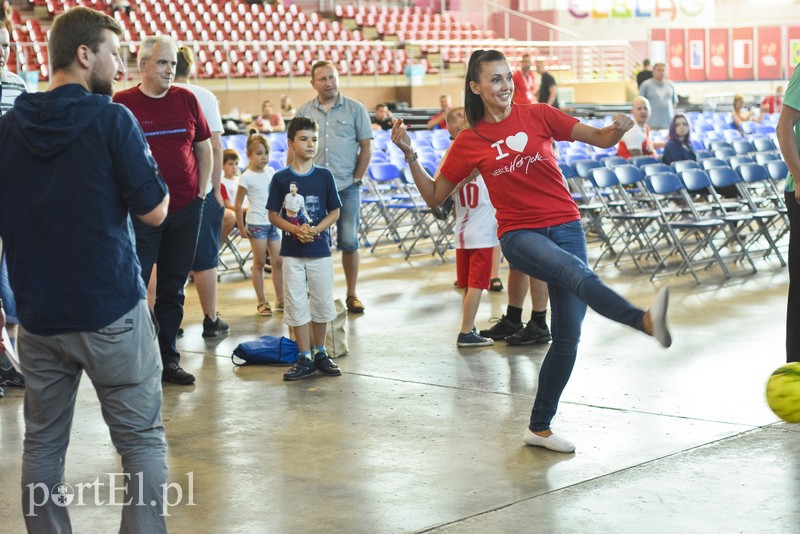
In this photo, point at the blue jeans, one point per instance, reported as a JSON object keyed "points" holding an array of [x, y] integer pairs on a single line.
{"points": [[171, 245], [349, 219], [122, 362], [9, 304], [557, 255]]}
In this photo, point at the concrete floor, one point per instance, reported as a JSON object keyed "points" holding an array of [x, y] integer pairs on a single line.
{"points": [[419, 436]]}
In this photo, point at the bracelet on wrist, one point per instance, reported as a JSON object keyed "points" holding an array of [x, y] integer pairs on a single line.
{"points": [[412, 158]]}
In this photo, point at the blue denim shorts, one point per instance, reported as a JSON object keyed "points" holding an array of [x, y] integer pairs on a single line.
{"points": [[264, 231]]}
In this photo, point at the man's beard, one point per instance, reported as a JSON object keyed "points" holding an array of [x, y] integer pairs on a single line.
{"points": [[99, 86]]}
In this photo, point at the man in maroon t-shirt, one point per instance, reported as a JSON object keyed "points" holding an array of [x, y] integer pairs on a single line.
{"points": [[525, 82], [179, 139]]}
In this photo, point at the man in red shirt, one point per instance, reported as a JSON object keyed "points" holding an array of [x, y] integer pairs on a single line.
{"points": [[439, 120], [773, 103], [179, 138], [525, 83]]}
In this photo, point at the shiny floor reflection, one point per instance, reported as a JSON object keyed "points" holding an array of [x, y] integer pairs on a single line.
{"points": [[418, 435]]}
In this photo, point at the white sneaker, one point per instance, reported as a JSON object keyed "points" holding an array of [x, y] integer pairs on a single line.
{"points": [[552, 442]]}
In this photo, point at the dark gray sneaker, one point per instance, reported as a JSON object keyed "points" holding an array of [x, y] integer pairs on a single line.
{"points": [[532, 333], [502, 328], [174, 373], [214, 328], [301, 369], [11, 377], [325, 365]]}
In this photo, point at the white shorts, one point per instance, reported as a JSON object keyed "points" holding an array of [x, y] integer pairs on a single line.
{"points": [[308, 290]]}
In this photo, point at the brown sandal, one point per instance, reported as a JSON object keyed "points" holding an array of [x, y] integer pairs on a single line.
{"points": [[264, 310]]}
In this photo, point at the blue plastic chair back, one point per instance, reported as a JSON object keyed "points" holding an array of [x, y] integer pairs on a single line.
{"points": [[723, 176], [695, 179]]}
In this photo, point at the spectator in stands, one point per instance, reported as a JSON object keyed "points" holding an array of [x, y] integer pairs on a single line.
{"points": [[787, 132], [679, 142], [439, 121], [539, 222], [185, 161], [773, 103], [383, 118], [287, 108], [636, 141], [662, 96], [345, 148], [65, 217], [740, 114], [525, 82], [11, 86], [548, 89], [206, 257], [268, 121], [645, 74]]}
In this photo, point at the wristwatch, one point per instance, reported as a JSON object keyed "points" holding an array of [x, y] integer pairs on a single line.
{"points": [[412, 158]]}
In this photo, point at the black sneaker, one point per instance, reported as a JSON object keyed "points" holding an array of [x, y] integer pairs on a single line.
{"points": [[11, 377], [325, 365], [473, 339], [214, 328], [501, 329], [532, 333], [303, 368], [174, 373]]}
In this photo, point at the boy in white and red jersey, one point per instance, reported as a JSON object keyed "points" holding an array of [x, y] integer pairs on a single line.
{"points": [[475, 238]]}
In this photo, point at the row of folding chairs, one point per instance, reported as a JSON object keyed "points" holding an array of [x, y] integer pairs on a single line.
{"points": [[394, 213], [652, 215]]}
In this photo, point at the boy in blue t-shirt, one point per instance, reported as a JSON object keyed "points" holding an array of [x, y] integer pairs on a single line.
{"points": [[303, 203]]}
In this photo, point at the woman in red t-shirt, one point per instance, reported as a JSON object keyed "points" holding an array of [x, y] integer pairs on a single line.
{"points": [[539, 225]]}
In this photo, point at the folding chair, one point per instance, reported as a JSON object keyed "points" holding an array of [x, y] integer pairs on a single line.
{"points": [[764, 218], [744, 147], [680, 166], [765, 194], [230, 253], [764, 157], [630, 225], [692, 237], [737, 221], [612, 161], [764, 144], [655, 168], [736, 161], [640, 161]]}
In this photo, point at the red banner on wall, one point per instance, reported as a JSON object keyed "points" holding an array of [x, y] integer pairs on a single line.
{"points": [[718, 54], [742, 54], [696, 57], [676, 55], [768, 53]]}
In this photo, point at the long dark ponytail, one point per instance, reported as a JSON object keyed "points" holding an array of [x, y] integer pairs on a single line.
{"points": [[473, 105]]}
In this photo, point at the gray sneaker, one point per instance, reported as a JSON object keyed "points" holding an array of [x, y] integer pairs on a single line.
{"points": [[532, 333], [473, 339]]}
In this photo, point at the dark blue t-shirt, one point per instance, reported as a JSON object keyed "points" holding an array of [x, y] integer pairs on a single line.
{"points": [[304, 198], [74, 166]]}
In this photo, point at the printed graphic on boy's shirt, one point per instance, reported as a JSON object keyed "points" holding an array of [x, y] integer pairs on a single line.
{"points": [[300, 210]]}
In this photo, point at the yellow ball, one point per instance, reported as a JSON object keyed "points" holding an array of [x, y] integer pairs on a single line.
{"points": [[783, 392]]}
